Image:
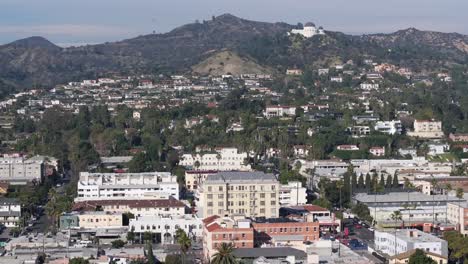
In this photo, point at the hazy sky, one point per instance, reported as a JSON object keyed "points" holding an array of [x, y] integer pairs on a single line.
{"points": [[93, 21]]}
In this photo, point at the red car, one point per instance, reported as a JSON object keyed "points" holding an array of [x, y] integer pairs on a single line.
{"points": [[358, 226]]}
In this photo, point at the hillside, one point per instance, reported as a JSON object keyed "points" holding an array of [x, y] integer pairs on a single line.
{"points": [[227, 62], [35, 62]]}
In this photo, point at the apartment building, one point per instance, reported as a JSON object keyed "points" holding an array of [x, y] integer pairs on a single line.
{"points": [[427, 129], [279, 111], [10, 212], [408, 239], [119, 186], [292, 194], [145, 207], [389, 127], [426, 186], [253, 194], [457, 213], [221, 159], [19, 170], [218, 230], [165, 228]]}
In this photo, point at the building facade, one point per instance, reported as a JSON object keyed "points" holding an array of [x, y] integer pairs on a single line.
{"points": [[19, 170], [10, 212], [408, 239], [165, 228], [145, 207], [457, 213], [292, 194], [222, 159], [217, 230], [253, 194], [427, 129], [118, 186]]}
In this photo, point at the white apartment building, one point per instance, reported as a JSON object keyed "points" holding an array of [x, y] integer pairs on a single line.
{"points": [[165, 228], [389, 127], [222, 159], [10, 212], [279, 111], [144, 207], [19, 170], [427, 129], [118, 186], [408, 239], [292, 194], [253, 194], [369, 86]]}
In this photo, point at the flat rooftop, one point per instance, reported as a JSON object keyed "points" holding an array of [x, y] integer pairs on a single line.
{"points": [[248, 177], [401, 197]]}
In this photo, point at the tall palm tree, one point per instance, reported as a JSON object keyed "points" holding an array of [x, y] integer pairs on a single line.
{"points": [[459, 195], [448, 188], [184, 242], [408, 186], [340, 185], [434, 187], [224, 255], [396, 216]]}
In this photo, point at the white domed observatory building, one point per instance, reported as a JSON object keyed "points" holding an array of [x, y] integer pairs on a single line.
{"points": [[309, 30]]}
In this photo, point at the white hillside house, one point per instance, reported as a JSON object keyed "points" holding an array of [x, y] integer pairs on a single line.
{"points": [[309, 30]]}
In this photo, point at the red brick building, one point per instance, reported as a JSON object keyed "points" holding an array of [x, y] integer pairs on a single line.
{"points": [[283, 229]]}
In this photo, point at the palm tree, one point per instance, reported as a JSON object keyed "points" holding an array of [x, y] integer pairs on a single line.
{"points": [[224, 255], [408, 186], [340, 185], [448, 188], [396, 216], [184, 242], [434, 186], [459, 195]]}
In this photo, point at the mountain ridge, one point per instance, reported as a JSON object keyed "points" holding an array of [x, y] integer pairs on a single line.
{"points": [[37, 62]]}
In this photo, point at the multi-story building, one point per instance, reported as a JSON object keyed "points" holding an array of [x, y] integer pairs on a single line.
{"points": [[19, 170], [389, 127], [10, 212], [457, 213], [218, 230], [195, 178], [119, 186], [145, 207], [279, 111], [417, 209], [458, 137], [91, 220], [165, 228], [292, 194], [377, 151], [427, 129], [393, 243], [222, 159], [390, 166], [278, 231], [426, 184], [253, 194]]}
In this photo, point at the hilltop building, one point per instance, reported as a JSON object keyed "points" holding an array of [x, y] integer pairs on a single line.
{"points": [[309, 30]]}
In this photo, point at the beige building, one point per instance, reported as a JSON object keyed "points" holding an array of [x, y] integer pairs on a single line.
{"points": [[404, 257], [457, 213], [99, 219], [427, 129], [195, 178], [253, 194]]}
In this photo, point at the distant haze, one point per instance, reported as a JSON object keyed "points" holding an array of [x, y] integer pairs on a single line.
{"points": [[77, 22]]}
